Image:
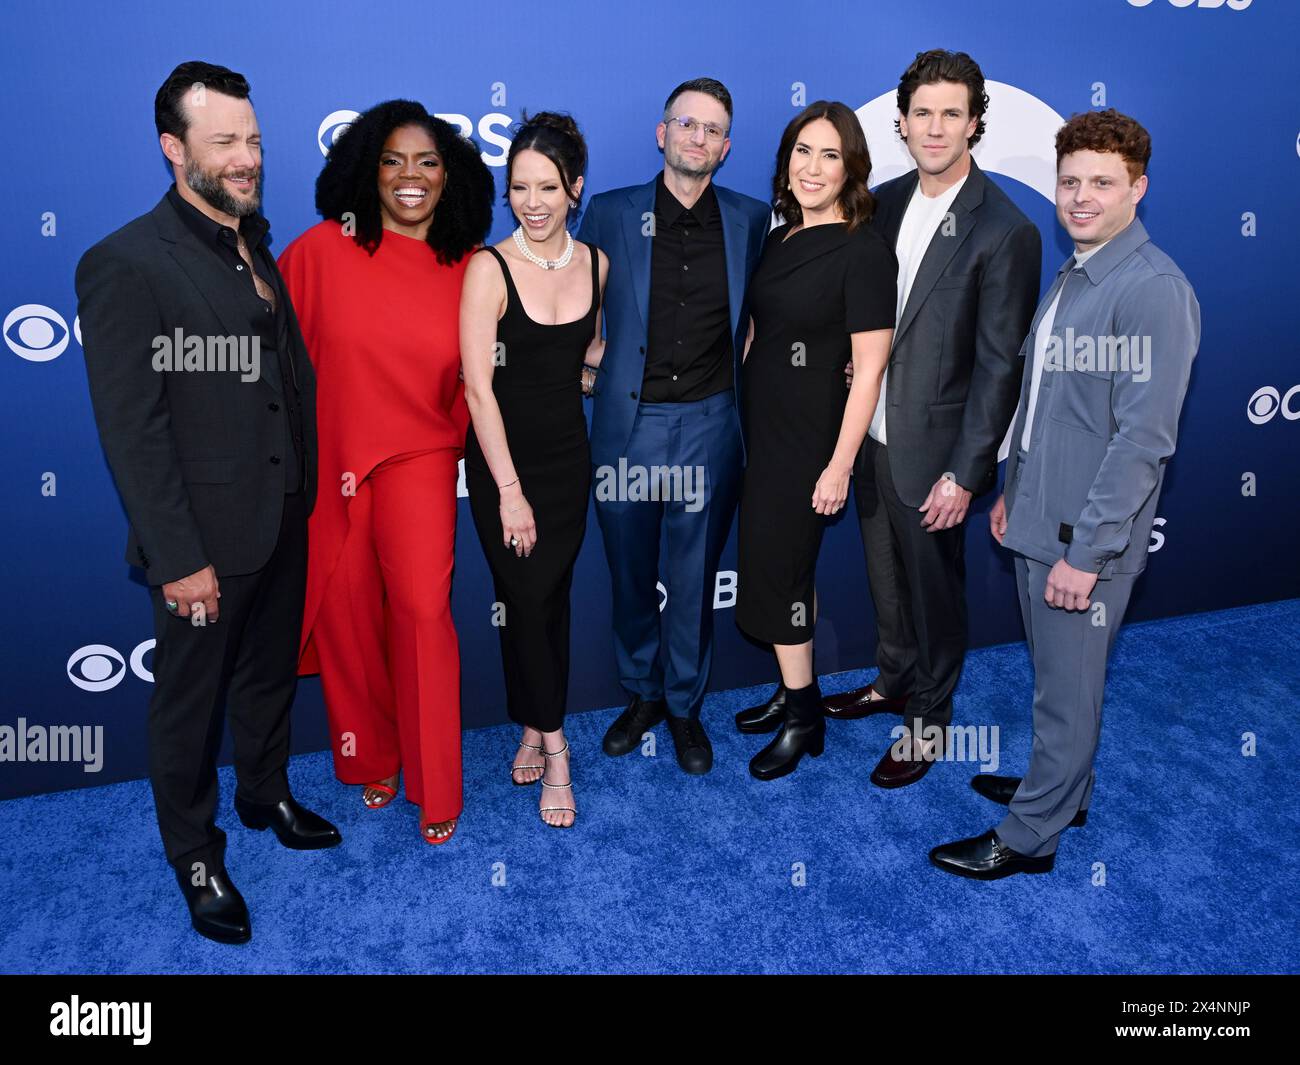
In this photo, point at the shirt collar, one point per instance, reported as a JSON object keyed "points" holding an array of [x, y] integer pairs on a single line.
{"points": [[1113, 252], [210, 231], [671, 208]]}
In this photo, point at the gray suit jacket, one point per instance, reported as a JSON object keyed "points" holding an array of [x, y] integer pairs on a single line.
{"points": [[1114, 377], [953, 371]]}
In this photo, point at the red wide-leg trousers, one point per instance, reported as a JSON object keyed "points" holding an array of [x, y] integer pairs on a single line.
{"points": [[389, 657]]}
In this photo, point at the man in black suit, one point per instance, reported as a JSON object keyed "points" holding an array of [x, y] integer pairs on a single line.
{"points": [[968, 270], [205, 403]]}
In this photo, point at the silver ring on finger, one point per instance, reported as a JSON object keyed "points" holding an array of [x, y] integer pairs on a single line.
{"points": [[514, 541]]}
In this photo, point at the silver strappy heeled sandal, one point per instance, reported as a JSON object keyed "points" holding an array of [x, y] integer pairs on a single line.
{"points": [[568, 784], [515, 768]]}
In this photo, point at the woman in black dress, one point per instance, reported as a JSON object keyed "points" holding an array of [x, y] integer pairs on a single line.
{"points": [[530, 319], [823, 294]]}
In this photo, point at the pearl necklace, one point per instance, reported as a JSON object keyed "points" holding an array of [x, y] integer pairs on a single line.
{"points": [[521, 242]]}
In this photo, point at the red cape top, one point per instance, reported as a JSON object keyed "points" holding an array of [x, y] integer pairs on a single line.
{"points": [[383, 334]]}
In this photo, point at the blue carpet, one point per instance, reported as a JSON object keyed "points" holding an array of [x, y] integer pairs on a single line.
{"points": [[1187, 864]]}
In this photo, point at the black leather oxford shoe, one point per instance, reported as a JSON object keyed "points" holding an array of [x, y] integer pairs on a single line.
{"points": [[297, 827], [217, 909], [625, 733], [987, 858], [694, 752], [1001, 790]]}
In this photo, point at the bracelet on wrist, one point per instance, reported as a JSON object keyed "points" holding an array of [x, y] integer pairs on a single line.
{"points": [[501, 487]]}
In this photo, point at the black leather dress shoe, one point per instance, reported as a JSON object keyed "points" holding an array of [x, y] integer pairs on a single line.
{"points": [[766, 717], [297, 827], [857, 703], [987, 858], [1001, 789], [802, 732], [625, 733], [217, 909], [694, 752]]}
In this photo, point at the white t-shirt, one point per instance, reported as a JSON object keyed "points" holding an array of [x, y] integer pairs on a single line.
{"points": [[921, 221], [1041, 336]]}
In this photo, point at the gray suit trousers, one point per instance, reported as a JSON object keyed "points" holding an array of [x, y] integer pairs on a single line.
{"points": [[1069, 650]]}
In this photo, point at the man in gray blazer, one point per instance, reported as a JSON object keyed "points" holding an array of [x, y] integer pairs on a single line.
{"points": [[1111, 347], [968, 271]]}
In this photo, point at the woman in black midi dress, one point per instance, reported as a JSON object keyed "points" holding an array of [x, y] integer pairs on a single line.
{"points": [[823, 295], [527, 461]]}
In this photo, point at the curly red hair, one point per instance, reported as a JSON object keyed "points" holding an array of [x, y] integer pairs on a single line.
{"points": [[1106, 131]]}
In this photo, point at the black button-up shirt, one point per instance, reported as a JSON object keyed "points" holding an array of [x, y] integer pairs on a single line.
{"points": [[269, 324], [689, 349]]}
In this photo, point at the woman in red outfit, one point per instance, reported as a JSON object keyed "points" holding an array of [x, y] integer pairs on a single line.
{"points": [[376, 287]]}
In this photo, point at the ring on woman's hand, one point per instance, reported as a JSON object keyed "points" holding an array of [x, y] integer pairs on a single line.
{"points": [[514, 541], [172, 605]]}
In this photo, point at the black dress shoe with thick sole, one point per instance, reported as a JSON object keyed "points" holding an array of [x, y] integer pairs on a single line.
{"points": [[694, 752], [296, 827], [987, 858], [1001, 790], [625, 733], [802, 732], [217, 909], [766, 717]]}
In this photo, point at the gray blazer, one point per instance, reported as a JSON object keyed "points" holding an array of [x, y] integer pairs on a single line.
{"points": [[1125, 333], [953, 369]]}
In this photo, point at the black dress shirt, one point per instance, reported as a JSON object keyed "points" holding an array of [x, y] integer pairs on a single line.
{"points": [[269, 324], [689, 350]]}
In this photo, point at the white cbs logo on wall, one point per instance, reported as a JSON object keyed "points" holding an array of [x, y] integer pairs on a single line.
{"points": [[724, 591], [1234, 5], [98, 667], [38, 333], [491, 129], [1267, 402]]}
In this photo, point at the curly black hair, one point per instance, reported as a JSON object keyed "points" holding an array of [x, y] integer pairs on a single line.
{"points": [[349, 181]]}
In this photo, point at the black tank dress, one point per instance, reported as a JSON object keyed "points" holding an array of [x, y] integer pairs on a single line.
{"points": [[538, 390], [808, 294]]}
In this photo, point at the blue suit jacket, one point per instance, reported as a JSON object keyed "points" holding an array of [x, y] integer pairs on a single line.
{"points": [[619, 222]]}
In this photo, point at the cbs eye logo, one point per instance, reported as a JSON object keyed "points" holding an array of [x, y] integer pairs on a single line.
{"points": [[1235, 5], [97, 667], [332, 127], [38, 333], [1269, 401]]}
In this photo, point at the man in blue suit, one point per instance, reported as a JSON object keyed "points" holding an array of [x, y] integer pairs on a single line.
{"points": [[665, 436]]}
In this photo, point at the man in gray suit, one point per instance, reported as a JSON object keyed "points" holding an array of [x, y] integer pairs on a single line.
{"points": [[1112, 346]]}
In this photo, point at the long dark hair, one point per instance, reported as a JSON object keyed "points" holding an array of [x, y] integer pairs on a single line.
{"points": [[349, 181], [856, 200]]}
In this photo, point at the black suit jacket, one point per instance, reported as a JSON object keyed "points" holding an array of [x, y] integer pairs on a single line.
{"points": [[954, 371], [191, 453]]}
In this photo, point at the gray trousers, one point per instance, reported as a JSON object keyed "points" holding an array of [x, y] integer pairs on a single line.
{"points": [[1069, 649]]}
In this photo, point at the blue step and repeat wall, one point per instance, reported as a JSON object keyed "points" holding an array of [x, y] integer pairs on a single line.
{"points": [[1208, 78]]}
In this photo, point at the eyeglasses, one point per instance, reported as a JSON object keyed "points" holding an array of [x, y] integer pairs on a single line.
{"points": [[689, 125]]}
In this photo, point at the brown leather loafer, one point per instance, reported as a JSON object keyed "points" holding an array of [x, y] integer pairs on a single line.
{"points": [[896, 772], [850, 705]]}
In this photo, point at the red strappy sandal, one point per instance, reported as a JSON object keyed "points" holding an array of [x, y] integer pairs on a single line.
{"points": [[425, 823], [389, 795]]}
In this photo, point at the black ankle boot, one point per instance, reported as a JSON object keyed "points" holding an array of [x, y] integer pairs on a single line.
{"points": [[766, 717], [803, 732]]}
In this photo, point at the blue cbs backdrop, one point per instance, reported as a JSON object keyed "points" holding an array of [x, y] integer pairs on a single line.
{"points": [[82, 158]]}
